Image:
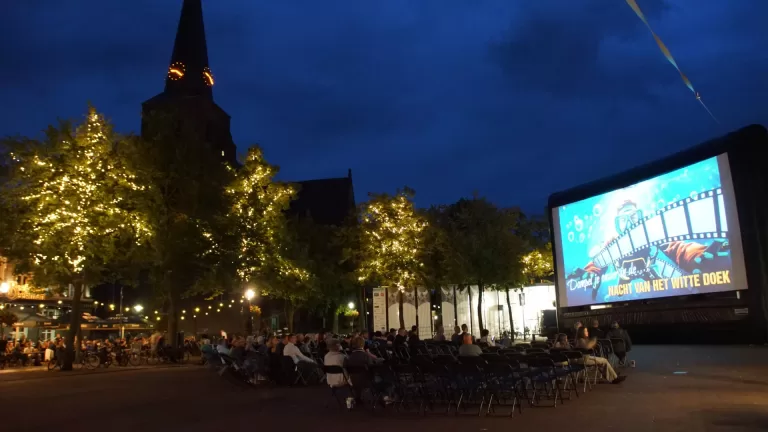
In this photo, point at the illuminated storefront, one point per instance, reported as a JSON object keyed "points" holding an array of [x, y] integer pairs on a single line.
{"points": [[32, 306]]}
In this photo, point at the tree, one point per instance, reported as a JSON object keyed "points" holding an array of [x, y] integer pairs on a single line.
{"points": [[537, 264], [391, 239], [325, 252], [193, 249], [485, 250], [269, 253], [258, 208], [435, 251], [74, 197], [7, 319]]}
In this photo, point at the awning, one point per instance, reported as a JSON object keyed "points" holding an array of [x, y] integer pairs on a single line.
{"points": [[27, 318]]}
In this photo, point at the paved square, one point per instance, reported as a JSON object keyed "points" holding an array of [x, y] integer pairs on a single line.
{"points": [[674, 388]]}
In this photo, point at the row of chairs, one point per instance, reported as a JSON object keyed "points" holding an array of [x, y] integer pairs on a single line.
{"points": [[489, 381]]}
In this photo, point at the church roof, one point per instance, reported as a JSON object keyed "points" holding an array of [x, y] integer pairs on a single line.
{"points": [[329, 201]]}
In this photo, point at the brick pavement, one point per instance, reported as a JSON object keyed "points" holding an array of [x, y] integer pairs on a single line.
{"points": [[714, 389]]}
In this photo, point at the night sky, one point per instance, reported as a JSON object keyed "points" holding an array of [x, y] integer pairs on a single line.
{"points": [[512, 99]]}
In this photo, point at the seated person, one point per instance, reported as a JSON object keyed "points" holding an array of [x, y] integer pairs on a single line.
{"points": [[585, 342], [616, 332], [595, 331], [485, 338], [360, 378], [468, 348], [457, 337], [562, 341], [307, 366], [335, 357]]}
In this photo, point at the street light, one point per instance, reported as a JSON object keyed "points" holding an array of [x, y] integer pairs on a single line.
{"points": [[351, 305], [4, 287], [249, 294], [197, 309], [138, 308]]}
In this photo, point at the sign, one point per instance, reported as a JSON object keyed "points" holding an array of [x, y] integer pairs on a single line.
{"points": [[380, 309]]}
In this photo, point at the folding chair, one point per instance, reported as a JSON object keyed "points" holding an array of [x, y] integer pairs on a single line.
{"points": [[468, 381], [291, 372], [540, 345], [620, 350], [542, 373], [334, 370], [564, 373], [504, 384], [408, 386], [606, 351]]}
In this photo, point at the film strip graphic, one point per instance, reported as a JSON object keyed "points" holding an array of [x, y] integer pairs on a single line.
{"points": [[698, 217]]}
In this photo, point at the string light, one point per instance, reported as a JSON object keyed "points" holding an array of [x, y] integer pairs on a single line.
{"points": [[391, 238], [258, 205], [77, 190]]}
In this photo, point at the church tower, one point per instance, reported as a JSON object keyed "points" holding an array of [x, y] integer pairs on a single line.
{"points": [[189, 85]]}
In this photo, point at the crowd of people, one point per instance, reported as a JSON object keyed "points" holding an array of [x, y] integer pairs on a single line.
{"points": [[279, 358], [24, 352]]}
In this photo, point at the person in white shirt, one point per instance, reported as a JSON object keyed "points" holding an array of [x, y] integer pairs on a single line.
{"points": [[291, 350], [485, 338], [335, 358], [307, 366]]}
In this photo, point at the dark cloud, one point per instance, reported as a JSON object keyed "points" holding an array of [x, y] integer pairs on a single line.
{"points": [[562, 47]]}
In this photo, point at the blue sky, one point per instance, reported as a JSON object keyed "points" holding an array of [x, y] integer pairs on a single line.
{"points": [[512, 99]]}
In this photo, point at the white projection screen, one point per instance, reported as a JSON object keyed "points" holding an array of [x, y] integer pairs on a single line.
{"points": [[673, 234]]}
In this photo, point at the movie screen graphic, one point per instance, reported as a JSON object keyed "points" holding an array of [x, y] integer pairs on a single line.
{"points": [[666, 236]]}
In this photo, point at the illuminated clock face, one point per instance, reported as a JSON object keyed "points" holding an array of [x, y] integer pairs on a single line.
{"points": [[208, 77], [176, 71]]}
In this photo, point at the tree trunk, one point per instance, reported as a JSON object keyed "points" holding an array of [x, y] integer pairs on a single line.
{"points": [[335, 329], [74, 325], [416, 302], [511, 322], [400, 299], [469, 308], [174, 300], [290, 312], [480, 290], [362, 319]]}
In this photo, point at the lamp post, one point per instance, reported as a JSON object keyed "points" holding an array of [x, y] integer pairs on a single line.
{"points": [[249, 294]]}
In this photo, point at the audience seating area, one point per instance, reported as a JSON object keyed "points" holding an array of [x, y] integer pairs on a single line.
{"points": [[433, 378]]}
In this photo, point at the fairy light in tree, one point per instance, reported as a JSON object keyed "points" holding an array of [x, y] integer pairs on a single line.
{"points": [[391, 239], [258, 206], [78, 191]]}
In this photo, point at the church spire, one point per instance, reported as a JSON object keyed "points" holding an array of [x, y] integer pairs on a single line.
{"points": [[189, 74]]}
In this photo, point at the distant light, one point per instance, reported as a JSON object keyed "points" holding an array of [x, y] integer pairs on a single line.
{"points": [[249, 294], [4, 287]]}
